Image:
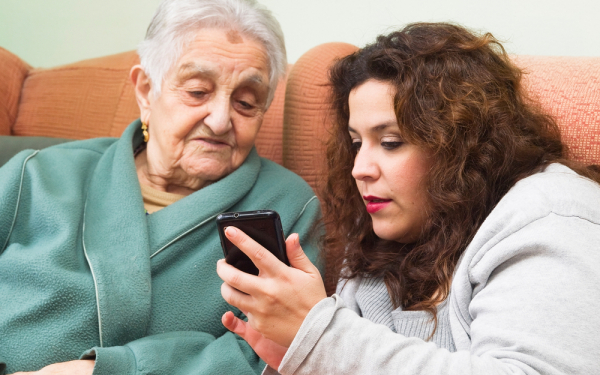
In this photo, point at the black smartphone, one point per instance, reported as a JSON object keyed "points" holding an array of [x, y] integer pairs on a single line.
{"points": [[264, 226]]}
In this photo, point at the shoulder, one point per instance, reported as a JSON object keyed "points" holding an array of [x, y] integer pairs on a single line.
{"points": [[93, 146], [73, 154], [535, 250], [62, 150], [557, 190], [554, 213], [282, 190], [271, 170], [67, 154], [62, 163], [279, 180]]}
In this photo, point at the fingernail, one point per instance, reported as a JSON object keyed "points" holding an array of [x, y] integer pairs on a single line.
{"points": [[231, 231]]}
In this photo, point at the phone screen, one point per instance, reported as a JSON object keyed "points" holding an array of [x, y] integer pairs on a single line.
{"points": [[263, 226]]}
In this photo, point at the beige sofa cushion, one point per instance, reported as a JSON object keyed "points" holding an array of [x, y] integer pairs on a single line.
{"points": [[95, 98], [569, 89], [91, 98], [307, 119]]}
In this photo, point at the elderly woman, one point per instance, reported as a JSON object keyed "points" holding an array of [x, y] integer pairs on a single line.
{"points": [[463, 241], [108, 246]]}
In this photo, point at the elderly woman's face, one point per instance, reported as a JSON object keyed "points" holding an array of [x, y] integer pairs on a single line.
{"points": [[211, 106]]}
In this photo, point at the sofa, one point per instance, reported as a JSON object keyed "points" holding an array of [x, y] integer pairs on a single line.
{"points": [[94, 98]]}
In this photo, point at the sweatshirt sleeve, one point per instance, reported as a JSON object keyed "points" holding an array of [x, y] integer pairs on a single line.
{"points": [[529, 303], [178, 353]]}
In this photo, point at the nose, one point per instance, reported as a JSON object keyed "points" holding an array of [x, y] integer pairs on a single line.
{"points": [[365, 165], [218, 118]]}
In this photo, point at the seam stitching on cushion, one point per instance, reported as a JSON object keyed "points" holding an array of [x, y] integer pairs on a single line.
{"points": [[112, 124], [18, 200], [18, 113], [120, 103]]}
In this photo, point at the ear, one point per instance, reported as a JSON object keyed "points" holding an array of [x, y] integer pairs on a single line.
{"points": [[143, 88]]}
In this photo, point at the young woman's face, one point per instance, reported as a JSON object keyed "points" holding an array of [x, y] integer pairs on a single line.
{"points": [[389, 172]]}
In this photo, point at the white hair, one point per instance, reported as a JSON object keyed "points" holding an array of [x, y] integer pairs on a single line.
{"points": [[176, 23]]}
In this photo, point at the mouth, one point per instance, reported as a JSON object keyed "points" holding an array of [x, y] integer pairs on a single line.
{"points": [[375, 204], [213, 142]]}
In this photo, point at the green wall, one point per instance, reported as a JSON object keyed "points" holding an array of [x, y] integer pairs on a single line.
{"points": [[53, 32]]}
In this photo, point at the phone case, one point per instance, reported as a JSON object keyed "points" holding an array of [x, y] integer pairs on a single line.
{"points": [[264, 226]]}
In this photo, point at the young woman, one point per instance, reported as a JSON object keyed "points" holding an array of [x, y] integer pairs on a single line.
{"points": [[463, 240]]}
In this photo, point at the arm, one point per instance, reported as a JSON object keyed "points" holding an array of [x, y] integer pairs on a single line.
{"points": [[177, 353], [531, 294], [196, 352], [528, 304], [10, 187], [171, 353]]}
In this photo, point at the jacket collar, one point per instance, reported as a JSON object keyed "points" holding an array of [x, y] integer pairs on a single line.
{"points": [[182, 217], [119, 239], [115, 242]]}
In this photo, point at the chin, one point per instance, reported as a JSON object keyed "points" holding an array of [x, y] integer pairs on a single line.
{"points": [[207, 170], [391, 235]]}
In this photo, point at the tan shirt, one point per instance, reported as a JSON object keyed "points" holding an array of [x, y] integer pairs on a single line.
{"points": [[155, 200]]}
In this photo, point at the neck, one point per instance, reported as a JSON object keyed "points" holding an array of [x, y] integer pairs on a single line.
{"points": [[170, 180]]}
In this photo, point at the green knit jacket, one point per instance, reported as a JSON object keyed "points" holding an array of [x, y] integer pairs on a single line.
{"points": [[84, 273]]}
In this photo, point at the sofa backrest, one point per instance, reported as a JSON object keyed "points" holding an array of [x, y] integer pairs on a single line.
{"points": [[567, 87], [86, 99], [92, 98]]}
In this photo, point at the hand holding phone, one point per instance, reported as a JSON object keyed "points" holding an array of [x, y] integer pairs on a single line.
{"points": [[265, 299], [263, 226]]}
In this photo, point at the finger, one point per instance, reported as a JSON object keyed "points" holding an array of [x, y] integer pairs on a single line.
{"points": [[236, 298], [296, 255], [234, 324], [242, 329], [242, 281], [261, 257]]}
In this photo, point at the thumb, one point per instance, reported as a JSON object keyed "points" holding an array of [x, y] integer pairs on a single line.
{"points": [[296, 255]]}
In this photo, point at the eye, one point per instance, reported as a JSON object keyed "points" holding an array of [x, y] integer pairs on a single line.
{"points": [[391, 145], [245, 105], [355, 146], [197, 94]]}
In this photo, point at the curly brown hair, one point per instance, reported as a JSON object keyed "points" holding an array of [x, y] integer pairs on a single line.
{"points": [[460, 98]]}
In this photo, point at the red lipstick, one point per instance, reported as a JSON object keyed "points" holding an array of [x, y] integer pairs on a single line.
{"points": [[375, 204]]}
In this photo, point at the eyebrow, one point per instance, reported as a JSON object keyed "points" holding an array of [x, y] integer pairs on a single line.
{"points": [[192, 70], [375, 129]]}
